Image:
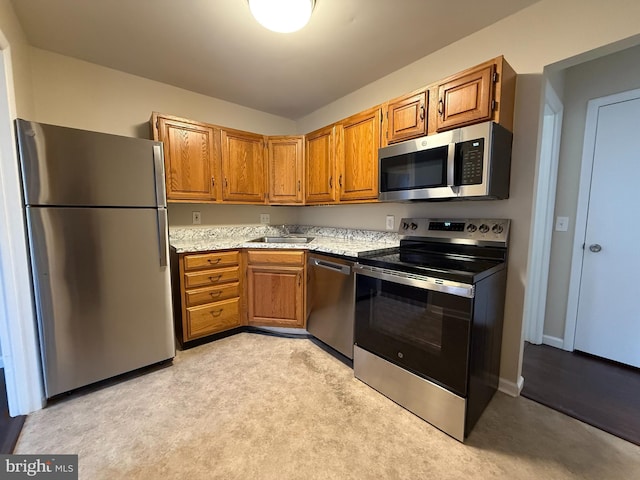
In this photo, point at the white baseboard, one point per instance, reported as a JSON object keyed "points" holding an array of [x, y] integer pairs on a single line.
{"points": [[510, 388], [553, 341]]}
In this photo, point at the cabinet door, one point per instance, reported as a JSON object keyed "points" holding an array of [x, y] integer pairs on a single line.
{"points": [[276, 296], [358, 144], [243, 167], [191, 156], [285, 167], [320, 166], [406, 117], [466, 98]]}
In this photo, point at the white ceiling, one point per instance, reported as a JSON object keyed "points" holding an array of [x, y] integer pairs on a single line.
{"points": [[215, 47]]}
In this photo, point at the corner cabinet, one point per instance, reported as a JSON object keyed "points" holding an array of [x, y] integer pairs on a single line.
{"points": [[484, 92], [320, 165], [285, 167], [358, 141], [210, 286], [276, 288], [243, 167], [191, 157]]}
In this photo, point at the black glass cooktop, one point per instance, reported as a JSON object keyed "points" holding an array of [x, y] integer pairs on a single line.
{"points": [[448, 262]]}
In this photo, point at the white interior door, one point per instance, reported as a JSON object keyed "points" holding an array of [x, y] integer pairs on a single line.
{"points": [[608, 322]]}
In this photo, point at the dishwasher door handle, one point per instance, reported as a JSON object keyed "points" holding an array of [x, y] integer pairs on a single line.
{"points": [[335, 267]]}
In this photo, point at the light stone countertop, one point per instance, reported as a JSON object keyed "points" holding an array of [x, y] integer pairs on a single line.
{"points": [[338, 241]]}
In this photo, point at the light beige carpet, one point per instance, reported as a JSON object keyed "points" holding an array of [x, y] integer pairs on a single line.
{"points": [[261, 407]]}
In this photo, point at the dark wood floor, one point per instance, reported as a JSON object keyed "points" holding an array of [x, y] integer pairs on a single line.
{"points": [[10, 427], [598, 392]]}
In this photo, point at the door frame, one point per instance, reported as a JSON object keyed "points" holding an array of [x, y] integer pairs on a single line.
{"points": [[582, 210], [18, 334], [535, 300]]}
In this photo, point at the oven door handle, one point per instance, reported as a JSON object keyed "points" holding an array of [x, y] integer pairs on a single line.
{"points": [[418, 281]]}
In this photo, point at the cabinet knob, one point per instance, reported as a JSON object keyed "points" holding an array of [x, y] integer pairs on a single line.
{"points": [[214, 262], [330, 182], [215, 278], [298, 185], [440, 107], [213, 182], [340, 181], [217, 312], [421, 112]]}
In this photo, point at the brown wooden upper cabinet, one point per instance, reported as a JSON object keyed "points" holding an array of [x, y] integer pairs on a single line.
{"points": [[405, 117], [320, 165], [191, 158], [285, 169], [484, 92], [243, 166], [358, 139]]}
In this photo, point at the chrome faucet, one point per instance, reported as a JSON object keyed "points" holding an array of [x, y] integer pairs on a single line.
{"points": [[286, 230]]}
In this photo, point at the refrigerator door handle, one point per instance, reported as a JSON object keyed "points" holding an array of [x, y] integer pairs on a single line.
{"points": [[162, 236], [158, 163]]}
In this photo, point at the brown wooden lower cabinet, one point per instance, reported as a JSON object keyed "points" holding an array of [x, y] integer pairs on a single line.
{"points": [[276, 288], [210, 298], [209, 291]]}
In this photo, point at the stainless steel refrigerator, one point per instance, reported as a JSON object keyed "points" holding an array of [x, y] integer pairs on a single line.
{"points": [[97, 229]]}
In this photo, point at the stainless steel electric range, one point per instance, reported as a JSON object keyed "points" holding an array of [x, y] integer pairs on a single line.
{"points": [[428, 319]]}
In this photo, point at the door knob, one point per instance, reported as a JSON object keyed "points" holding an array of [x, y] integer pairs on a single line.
{"points": [[595, 248]]}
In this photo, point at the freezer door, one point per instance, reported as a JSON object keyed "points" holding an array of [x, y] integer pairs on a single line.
{"points": [[69, 167], [103, 299]]}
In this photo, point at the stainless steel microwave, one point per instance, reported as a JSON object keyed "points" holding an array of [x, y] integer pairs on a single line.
{"points": [[471, 162]]}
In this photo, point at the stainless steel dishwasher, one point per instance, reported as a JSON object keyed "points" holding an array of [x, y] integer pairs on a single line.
{"points": [[332, 297]]}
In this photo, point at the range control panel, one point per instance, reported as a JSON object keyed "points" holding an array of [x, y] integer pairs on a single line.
{"points": [[471, 229]]}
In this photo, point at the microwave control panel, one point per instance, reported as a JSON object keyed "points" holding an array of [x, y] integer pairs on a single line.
{"points": [[469, 162]]}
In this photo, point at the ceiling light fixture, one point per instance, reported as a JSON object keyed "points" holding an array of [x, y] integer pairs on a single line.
{"points": [[282, 16]]}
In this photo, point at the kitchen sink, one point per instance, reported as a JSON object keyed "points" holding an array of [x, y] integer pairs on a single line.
{"points": [[282, 240]]}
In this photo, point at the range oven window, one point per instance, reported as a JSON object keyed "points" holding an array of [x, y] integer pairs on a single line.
{"points": [[424, 331], [422, 169]]}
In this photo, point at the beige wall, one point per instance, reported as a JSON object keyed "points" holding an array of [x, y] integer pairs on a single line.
{"points": [[181, 214], [610, 74], [80, 94], [15, 46]]}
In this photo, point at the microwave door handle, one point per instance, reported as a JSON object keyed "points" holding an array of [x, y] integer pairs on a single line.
{"points": [[451, 165]]}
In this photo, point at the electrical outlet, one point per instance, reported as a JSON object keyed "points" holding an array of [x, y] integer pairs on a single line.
{"points": [[265, 218], [391, 220], [562, 224], [196, 218]]}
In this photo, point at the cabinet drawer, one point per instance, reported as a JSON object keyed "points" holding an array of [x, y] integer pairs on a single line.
{"points": [[216, 276], [211, 294], [279, 257], [213, 317], [209, 260]]}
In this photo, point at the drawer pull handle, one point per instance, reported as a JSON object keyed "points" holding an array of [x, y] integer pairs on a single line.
{"points": [[216, 294], [217, 313], [216, 278], [212, 262]]}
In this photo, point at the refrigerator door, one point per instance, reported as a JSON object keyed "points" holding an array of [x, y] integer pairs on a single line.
{"points": [[103, 300], [69, 167]]}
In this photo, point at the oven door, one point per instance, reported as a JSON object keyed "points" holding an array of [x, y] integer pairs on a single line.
{"points": [[417, 323]]}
